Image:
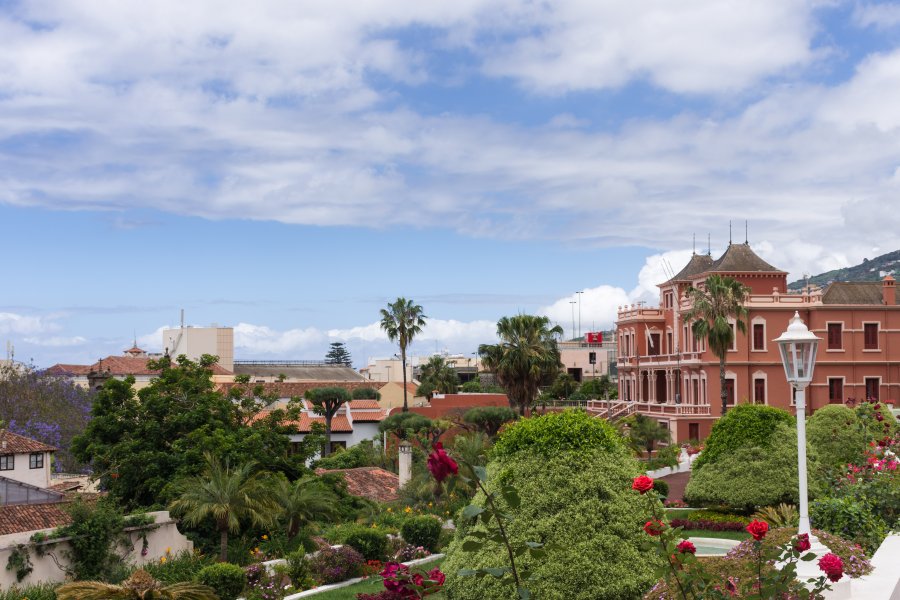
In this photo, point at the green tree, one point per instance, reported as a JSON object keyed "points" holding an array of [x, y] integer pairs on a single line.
{"points": [[437, 376], [402, 321], [303, 501], [489, 419], [338, 355], [644, 433], [139, 586], [404, 426], [712, 305], [526, 356], [327, 401], [366, 393], [599, 388], [562, 387], [227, 495]]}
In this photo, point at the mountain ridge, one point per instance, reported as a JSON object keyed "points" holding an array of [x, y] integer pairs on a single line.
{"points": [[868, 270]]}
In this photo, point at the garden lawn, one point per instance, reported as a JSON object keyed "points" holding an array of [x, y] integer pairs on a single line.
{"points": [[722, 535], [372, 585]]}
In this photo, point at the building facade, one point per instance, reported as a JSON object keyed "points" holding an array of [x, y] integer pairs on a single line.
{"points": [[666, 372]]}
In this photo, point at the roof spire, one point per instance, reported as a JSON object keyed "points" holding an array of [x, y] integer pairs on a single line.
{"points": [[694, 249], [708, 244], [746, 234], [729, 232]]}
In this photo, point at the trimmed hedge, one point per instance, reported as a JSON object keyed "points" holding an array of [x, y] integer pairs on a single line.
{"points": [[422, 531], [371, 543], [226, 579], [551, 434], [743, 426], [838, 437]]}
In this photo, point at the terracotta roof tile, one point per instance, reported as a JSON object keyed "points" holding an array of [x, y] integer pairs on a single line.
{"points": [[296, 389], [369, 482], [19, 444], [28, 517], [68, 370], [698, 264], [740, 258], [364, 404], [339, 424]]}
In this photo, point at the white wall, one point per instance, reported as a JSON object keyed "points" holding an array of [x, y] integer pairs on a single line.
{"points": [[22, 472], [161, 537]]}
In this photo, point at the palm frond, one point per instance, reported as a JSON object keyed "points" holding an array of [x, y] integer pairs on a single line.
{"points": [[94, 590]]}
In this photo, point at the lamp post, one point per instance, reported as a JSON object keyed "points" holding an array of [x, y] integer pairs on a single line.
{"points": [[573, 303], [798, 346]]}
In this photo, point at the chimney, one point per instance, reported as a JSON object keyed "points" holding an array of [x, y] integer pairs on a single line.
{"points": [[405, 462], [888, 291]]}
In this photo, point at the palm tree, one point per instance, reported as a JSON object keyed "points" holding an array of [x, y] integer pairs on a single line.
{"points": [[402, 321], [303, 501], [228, 495], [526, 356], [140, 586], [438, 376], [644, 433], [720, 299]]}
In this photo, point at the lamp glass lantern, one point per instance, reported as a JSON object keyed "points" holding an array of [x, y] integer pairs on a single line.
{"points": [[798, 346]]}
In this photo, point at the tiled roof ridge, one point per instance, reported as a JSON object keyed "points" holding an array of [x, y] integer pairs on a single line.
{"points": [[19, 444]]}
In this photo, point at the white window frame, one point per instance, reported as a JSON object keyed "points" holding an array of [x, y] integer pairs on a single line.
{"points": [[765, 377], [759, 321]]}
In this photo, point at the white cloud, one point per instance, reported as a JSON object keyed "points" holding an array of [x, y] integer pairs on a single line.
{"points": [[13, 323], [880, 15], [57, 341]]}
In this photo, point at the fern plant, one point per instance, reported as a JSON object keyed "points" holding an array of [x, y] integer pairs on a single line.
{"points": [[783, 515]]}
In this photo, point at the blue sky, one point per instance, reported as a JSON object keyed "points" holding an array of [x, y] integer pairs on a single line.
{"points": [[287, 169]]}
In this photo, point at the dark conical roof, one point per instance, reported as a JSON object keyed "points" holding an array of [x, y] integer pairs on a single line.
{"points": [[739, 258], [699, 263]]}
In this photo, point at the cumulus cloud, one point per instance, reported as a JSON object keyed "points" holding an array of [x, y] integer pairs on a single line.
{"points": [[13, 323]]}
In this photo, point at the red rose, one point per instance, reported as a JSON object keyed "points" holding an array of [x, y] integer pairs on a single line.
{"points": [[418, 579], [643, 484], [436, 576], [801, 544], [654, 527], [440, 464], [686, 547], [832, 566], [758, 529]]}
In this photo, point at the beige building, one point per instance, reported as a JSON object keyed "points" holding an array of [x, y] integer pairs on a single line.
{"points": [[389, 369], [585, 360], [194, 342]]}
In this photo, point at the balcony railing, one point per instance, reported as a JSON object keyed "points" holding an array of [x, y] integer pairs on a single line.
{"points": [[618, 408], [659, 359]]}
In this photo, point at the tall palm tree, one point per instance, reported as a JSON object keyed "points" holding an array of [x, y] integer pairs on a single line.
{"points": [[303, 501], [402, 321], [228, 495], [140, 586], [438, 376], [526, 356], [712, 305]]}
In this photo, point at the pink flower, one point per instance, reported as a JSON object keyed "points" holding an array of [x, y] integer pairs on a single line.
{"points": [[686, 547], [758, 529], [832, 566], [440, 464], [417, 579], [643, 484], [437, 576], [801, 544]]}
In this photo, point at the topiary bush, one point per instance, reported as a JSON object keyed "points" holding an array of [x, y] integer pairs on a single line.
{"points": [[745, 425], [370, 542], [226, 579], [749, 477], [574, 478], [548, 435], [424, 531], [837, 436]]}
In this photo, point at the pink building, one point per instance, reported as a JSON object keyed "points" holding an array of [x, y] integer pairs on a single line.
{"points": [[667, 373]]}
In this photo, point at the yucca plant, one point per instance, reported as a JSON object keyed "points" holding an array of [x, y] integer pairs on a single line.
{"points": [[140, 586], [783, 515]]}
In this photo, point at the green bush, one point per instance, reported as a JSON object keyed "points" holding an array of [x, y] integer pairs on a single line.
{"points": [[360, 455], [716, 516], [40, 591], [226, 579], [551, 434], [849, 518], [661, 488], [745, 425], [368, 541], [749, 477], [298, 570], [876, 428], [837, 436], [365, 393], [422, 531], [183, 566], [579, 501]]}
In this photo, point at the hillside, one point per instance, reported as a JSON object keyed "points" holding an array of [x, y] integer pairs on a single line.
{"points": [[869, 270]]}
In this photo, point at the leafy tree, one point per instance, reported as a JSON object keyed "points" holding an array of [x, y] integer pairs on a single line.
{"points": [[49, 409], [745, 425], [338, 355], [326, 402], [138, 444], [476, 386], [437, 376], [228, 495], [489, 419], [712, 305], [836, 434], [526, 356], [402, 321], [404, 426], [599, 388], [366, 393], [562, 387], [139, 586], [303, 501], [645, 432]]}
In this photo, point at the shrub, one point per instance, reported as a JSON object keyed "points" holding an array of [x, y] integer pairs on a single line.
{"points": [[554, 433], [40, 591], [422, 531], [226, 579], [783, 515], [661, 488], [298, 570], [356, 456], [877, 420], [489, 419], [749, 477], [837, 436], [183, 566], [745, 425], [705, 525], [850, 518], [332, 565], [365, 393], [95, 530], [580, 503], [370, 542], [717, 517]]}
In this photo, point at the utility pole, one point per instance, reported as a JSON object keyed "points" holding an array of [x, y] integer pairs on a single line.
{"points": [[572, 302], [579, 312]]}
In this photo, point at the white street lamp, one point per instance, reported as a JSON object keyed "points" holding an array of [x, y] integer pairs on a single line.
{"points": [[798, 346]]}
